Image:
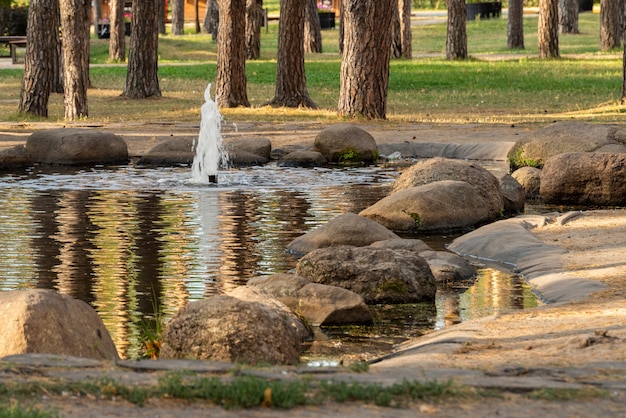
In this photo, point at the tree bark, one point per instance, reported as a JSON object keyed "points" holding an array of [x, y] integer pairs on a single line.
{"points": [[515, 27], [568, 16], [42, 39], [117, 43], [548, 29], [396, 35], [291, 88], [610, 24], [312, 28], [178, 17], [406, 36], [254, 20], [230, 86], [142, 76], [74, 15], [162, 13], [97, 12], [196, 17], [456, 35], [623, 101], [211, 19], [365, 60]]}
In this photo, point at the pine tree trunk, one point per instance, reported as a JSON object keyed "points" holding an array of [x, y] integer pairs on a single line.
{"points": [[162, 13], [365, 60], [624, 55], [254, 20], [610, 24], [312, 28], [211, 19], [406, 36], [196, 17], [230, 86], [117, 43], [568, 16], [142, 76], [74, 14], [548, 29], [41, 46], [291, 88], [178, 17], [396, 35], [456, 35], [515, 27]]}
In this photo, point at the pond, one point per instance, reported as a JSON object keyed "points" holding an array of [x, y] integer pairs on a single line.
{"points": [[138, 244]]}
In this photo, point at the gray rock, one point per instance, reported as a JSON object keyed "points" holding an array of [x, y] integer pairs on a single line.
{"points": [[537, 147], [378, 275], [485, 184], [345, 229], [224, 328], [172, 152], [415, 245], [513, 195], [256, 146], [44, 321], [319, 304], [13, 157], [442, 206], [241, 158], [597, 179], [302, 158], [530, 180], [68, 146], [346, 143]]}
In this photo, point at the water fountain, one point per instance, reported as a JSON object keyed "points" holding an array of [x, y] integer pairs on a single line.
{"points": [[210, 153]]}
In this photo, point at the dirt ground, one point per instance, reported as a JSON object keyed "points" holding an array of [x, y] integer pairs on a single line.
{"points": [[584, 341]]}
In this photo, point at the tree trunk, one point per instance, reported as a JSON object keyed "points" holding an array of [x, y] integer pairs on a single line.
{"points": [[196, 17], [162, 13], [610, 24], [74, 14], [211, 19], [254, 20], [396, 35], [568, 16], [117, 43], [365, 60], [456, 35], [312, 28], [230, 85], [291, 88], [406, 36], [97, 12], [178, 17], [515, 27], [42, 40], [624, 55], [548, 29], [341, 25], [142, 76]]}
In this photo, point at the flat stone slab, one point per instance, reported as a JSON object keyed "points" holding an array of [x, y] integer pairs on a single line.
{"points": [[50, 360], [199, 366]]}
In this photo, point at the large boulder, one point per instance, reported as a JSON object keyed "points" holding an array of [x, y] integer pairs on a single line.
{"points": [[597, 179], [530, 180], [319, 304], [535, 148], [225, 328], [345, 143], [378, 275], [44, 321], [176, 151], [261, 147], [302, 158], [13, 157], [345, 229], [447, 267], [513, 195], [485, 184], [69, 146], [442, 206]]}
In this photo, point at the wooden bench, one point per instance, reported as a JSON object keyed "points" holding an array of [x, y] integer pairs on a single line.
{"points": [[14, 42]]}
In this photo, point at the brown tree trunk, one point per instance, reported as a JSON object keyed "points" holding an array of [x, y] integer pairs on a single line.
{"points": [[568, 16], [406, 36], [196, 17], [341, 25], [365, 61], [42, 40], [142, 76], [162, 13], [548, 29], [254, 20], [178, 17], [610, 24], [515, 27], [211, 19], [291, 88], [117, 43], [456, 35], [74, 14], [624, 55], [230, 85], [97, 12], [312, 28], [396, 35]]}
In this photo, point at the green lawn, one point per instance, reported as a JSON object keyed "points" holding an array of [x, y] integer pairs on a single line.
{"points": [[495, 85]]}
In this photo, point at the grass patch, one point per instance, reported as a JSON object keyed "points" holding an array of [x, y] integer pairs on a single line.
{"points": [[510, 89], [16, 410]]}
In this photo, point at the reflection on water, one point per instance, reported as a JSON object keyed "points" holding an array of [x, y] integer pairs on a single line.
{"points": [[129, 241]]}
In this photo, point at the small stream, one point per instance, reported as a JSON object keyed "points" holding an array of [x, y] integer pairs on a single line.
{"points": [[138, 243]]}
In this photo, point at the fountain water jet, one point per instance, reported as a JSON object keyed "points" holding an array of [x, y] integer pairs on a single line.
{"points": [[210, 153]]}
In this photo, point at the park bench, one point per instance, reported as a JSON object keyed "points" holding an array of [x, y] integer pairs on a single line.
{"points": [[13, 42]]}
